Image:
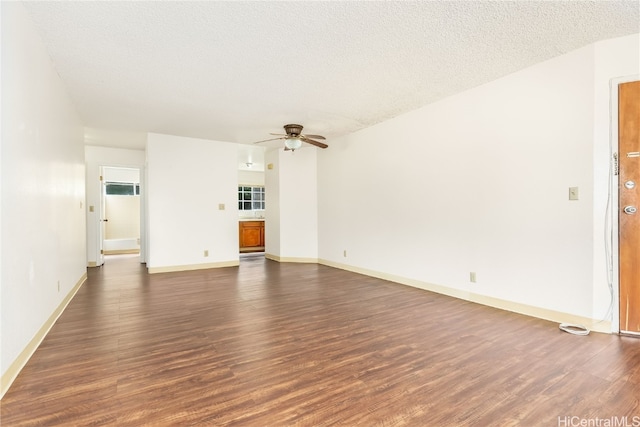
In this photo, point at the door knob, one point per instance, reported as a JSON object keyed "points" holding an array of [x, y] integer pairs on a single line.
{"points": [[629, 184], [630, 210]]}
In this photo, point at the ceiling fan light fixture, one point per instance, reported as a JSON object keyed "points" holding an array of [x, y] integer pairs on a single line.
{"points": [[293, 130], [292, 143], [294, 138]]}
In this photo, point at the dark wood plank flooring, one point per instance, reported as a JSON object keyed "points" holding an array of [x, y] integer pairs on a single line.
{"points": [[269, 344]]}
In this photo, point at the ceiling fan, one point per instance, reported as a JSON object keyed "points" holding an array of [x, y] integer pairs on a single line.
{"points": [[294, 138]]}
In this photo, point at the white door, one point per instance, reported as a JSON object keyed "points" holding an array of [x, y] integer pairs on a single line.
{"points": [[101, 220]]}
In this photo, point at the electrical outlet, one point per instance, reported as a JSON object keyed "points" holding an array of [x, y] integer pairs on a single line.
{"points": [[344, 253], [221, 206], [206, 252], [58, 285], [472, 277]]}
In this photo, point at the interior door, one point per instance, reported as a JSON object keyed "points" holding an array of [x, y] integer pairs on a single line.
{"points": [[102, 232], [629, 205]]}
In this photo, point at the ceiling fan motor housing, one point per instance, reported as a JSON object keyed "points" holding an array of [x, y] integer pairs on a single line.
{"points": [[293, 130]]}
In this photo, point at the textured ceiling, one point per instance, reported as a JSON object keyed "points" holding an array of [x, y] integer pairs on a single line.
{"points": [[235, 71]]}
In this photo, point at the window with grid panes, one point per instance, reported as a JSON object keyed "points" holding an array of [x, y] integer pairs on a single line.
{"points": [[250, 198]]}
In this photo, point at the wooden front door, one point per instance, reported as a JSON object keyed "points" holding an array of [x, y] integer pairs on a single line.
{"points": [[629, 205]]}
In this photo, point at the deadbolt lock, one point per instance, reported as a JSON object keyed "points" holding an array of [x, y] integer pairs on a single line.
{"points": [[629, 184]]}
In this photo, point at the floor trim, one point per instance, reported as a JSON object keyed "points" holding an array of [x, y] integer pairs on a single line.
{"points": [[291, 259], [528, 310], [122, 251], [189, 267], [14, 369]]}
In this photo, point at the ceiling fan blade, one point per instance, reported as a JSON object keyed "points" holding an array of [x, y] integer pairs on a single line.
{"points": [[314, 136], [278, 134], [312, 142], [265, 140]]}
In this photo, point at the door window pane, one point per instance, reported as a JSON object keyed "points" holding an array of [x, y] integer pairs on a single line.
{"points": [[120, 188]]}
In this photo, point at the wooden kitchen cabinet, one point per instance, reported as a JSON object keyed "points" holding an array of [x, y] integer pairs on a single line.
{"points": [[251, 236]]}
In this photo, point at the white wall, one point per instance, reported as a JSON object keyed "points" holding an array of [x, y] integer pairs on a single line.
{"points": [[250, 177], [43, 221], [126, 175], [272, 203], [4, 383], [476, 182], [95, 158], [187, 179], [299, 203], [291, 227]]}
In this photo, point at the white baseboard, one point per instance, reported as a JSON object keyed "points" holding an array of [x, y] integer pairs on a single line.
{"points": [[291, 259], [121, 251], [189, 267], [528, 310], [14, 369]]}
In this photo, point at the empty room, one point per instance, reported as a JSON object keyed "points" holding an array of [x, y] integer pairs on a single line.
{"points": [[326, 213]]}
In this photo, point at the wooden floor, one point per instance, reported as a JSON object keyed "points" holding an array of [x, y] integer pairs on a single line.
{"points": [[269, 344]]}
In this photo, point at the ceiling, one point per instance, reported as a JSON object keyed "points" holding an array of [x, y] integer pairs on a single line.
{"points": [[236, 71]]}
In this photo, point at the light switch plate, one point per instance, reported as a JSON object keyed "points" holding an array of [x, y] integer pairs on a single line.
{"points": [[221, 206], [573, 193]]}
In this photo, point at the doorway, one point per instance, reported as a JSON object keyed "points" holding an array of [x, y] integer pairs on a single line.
{"points": [[251, 201], [628, 207], [121, 211]]}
